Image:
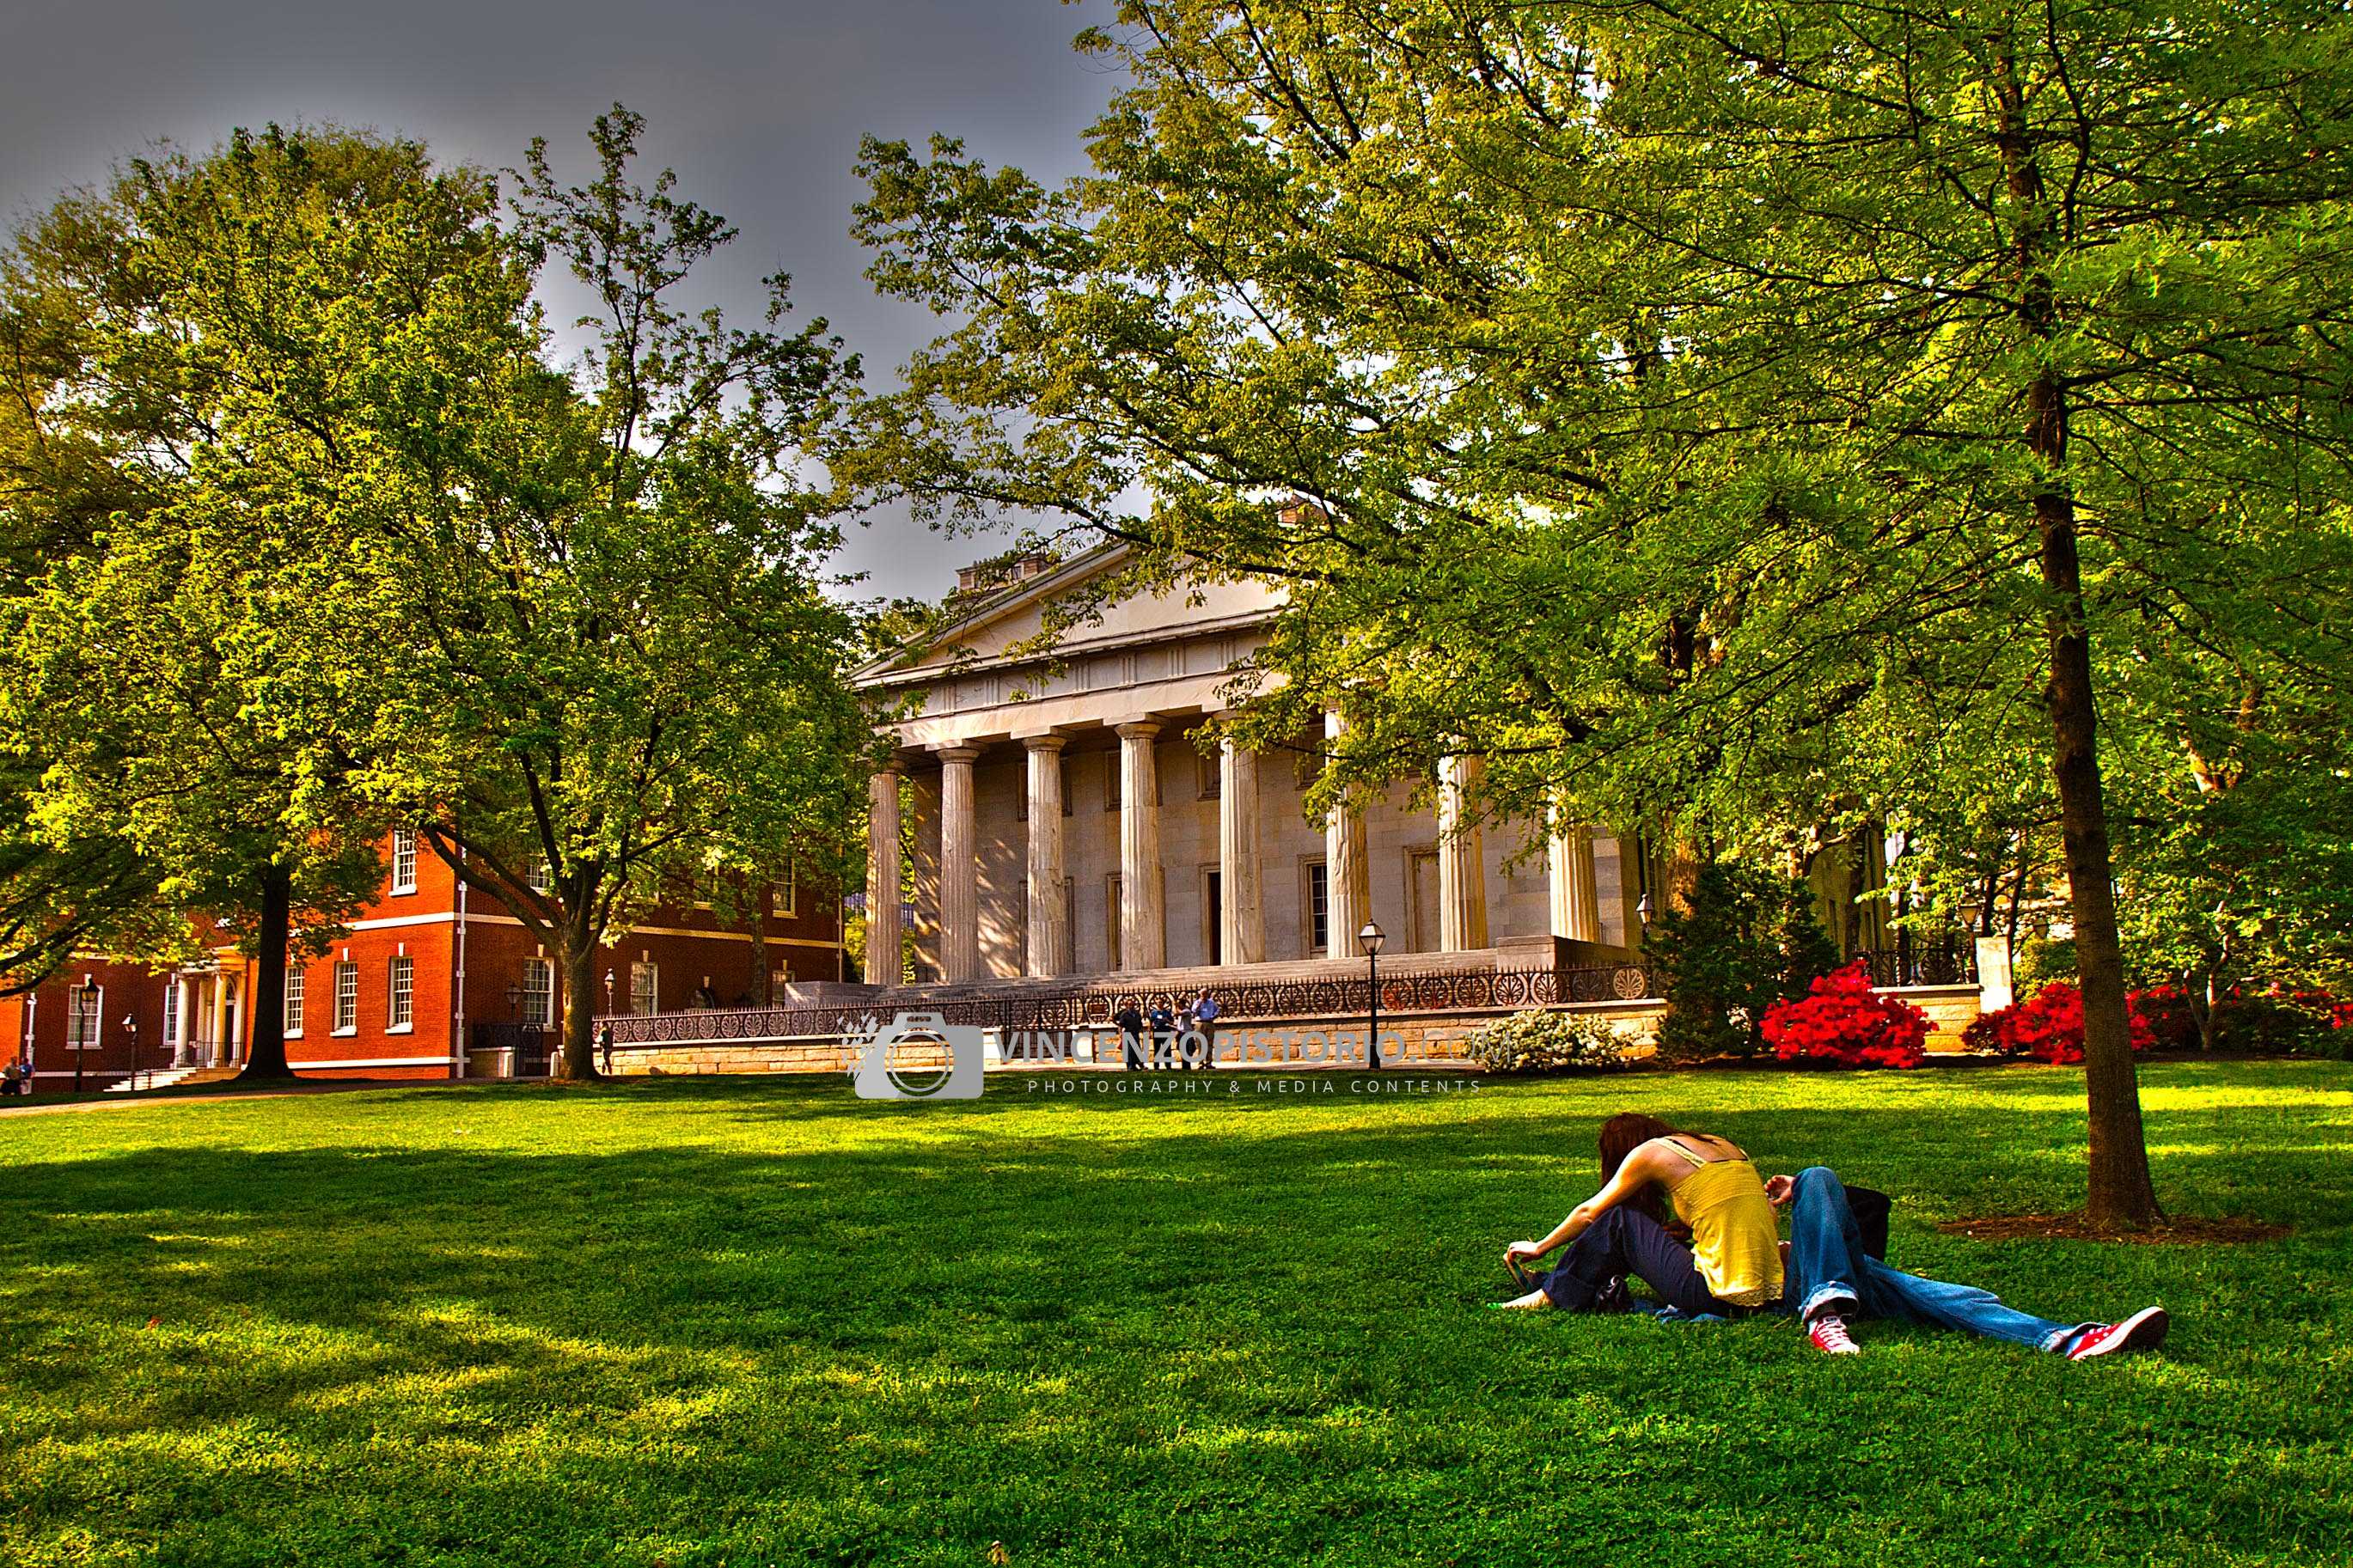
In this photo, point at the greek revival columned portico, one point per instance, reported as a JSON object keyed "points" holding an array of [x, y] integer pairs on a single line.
{"points": [[1063, 820]]}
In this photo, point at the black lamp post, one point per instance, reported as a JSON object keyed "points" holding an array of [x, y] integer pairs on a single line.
{"points": [[1369, 940], [514, 1003], [91, 1025], [608, 994], [1643, 912], [130, 1028]]}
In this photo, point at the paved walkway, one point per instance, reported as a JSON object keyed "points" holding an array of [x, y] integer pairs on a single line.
{"points": [[197, 1097]]}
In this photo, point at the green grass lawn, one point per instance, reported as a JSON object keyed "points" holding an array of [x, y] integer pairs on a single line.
{"points": [[761, 1321]]}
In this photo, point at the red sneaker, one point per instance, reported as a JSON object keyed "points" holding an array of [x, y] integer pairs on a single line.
{"points": [[2144, 1331], [1830, 1336]]}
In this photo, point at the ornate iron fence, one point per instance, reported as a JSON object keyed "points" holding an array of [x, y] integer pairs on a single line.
{"points": [[1467, 991], [1946, 960]]}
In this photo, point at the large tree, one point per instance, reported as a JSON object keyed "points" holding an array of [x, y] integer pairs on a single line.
{"points": [[388, 562], [617, 669], [199, 339], [1704, 413]]}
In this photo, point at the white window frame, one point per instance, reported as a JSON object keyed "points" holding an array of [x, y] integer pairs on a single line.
{"points": [[347, 997], [645, 988], [1313, 869], [91, 1025], [539, 1001], [404, 859], [787, 892], [171, 1009], [541, 877], [400, 995], [295, 988]]}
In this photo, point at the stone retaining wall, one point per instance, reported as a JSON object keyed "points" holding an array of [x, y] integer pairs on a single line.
{"points": [[1425, 1036], [1951, 1009]]}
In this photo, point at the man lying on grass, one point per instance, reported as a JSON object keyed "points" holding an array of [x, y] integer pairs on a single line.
{"points": [[1737, 1265]]}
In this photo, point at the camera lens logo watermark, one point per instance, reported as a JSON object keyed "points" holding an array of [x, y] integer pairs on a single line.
{"points": [[919, 1056]]}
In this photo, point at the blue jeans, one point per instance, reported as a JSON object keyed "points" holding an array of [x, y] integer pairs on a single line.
{"points": [[1829, 1270], [1626, 1241]]}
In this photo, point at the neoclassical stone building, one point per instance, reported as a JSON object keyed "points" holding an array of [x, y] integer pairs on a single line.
{"points": [[1065, 823]]}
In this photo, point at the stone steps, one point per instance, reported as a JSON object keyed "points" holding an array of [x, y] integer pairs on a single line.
{"points": [[173, 1077]]}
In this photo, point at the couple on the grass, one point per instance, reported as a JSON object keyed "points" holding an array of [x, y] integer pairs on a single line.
{"points": [[1736, 1265]]}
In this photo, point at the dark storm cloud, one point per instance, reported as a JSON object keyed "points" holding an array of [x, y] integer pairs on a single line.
{"points": [[759, 108]]}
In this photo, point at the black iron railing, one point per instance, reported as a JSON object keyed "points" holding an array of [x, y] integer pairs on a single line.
{"points": [[530, 1043], [1927, 960], [1465, 992]]}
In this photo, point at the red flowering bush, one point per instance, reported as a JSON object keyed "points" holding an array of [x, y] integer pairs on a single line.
{"points": [[2049, 1026], [2171, 1022], [1844, 1023]]}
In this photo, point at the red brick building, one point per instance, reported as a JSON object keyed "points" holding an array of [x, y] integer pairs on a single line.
{"points": [[429, 971]]}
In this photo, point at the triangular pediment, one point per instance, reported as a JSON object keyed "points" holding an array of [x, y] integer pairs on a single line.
{"points": [[1011, 627]]}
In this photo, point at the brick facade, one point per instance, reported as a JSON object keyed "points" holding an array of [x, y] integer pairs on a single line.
{"points": [[467, 960]]}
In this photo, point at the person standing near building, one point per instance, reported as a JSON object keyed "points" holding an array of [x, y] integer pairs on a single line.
{"points": [[1163, 1023], [1204, 1022], [1129, 1020], [12, 1079]]}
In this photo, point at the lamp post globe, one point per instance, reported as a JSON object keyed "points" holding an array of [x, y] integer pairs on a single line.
{"points": [[1369, 940]]}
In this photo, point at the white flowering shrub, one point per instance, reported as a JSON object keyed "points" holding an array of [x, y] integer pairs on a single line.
{"points": [[1539, 1041]]}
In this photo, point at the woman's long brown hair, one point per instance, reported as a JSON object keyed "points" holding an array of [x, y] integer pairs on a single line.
{"points": [[1621, 1136]]}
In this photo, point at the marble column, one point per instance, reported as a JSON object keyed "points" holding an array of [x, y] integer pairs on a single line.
{"points": [[1576, 900], [1348, 873], [1242, 930], [235, 1045], [959, 868], [884, 961], [1049, 947], [1143, 920], [213, 1045], [183, 1024], [1461, 859]]}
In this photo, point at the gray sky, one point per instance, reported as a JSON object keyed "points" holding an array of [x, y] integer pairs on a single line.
{"points": [[758, 107]]}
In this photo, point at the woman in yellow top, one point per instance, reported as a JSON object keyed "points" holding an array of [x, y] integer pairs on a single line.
{"points": [[1731, 1265]]}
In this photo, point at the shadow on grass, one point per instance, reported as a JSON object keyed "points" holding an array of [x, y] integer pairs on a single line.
{"points": [[689, 1319]]}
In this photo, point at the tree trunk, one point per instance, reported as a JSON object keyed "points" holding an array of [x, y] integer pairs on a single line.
{"points": [[759, 991], [267, 1059], [2017, 909], [577, 1057], [2119, 1193]]}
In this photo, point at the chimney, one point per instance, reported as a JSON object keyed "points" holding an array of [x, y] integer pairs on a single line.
{"points": [[985, 577]]}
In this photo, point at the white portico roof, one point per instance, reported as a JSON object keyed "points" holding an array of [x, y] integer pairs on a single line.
{"points": [[1151, 655]]}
